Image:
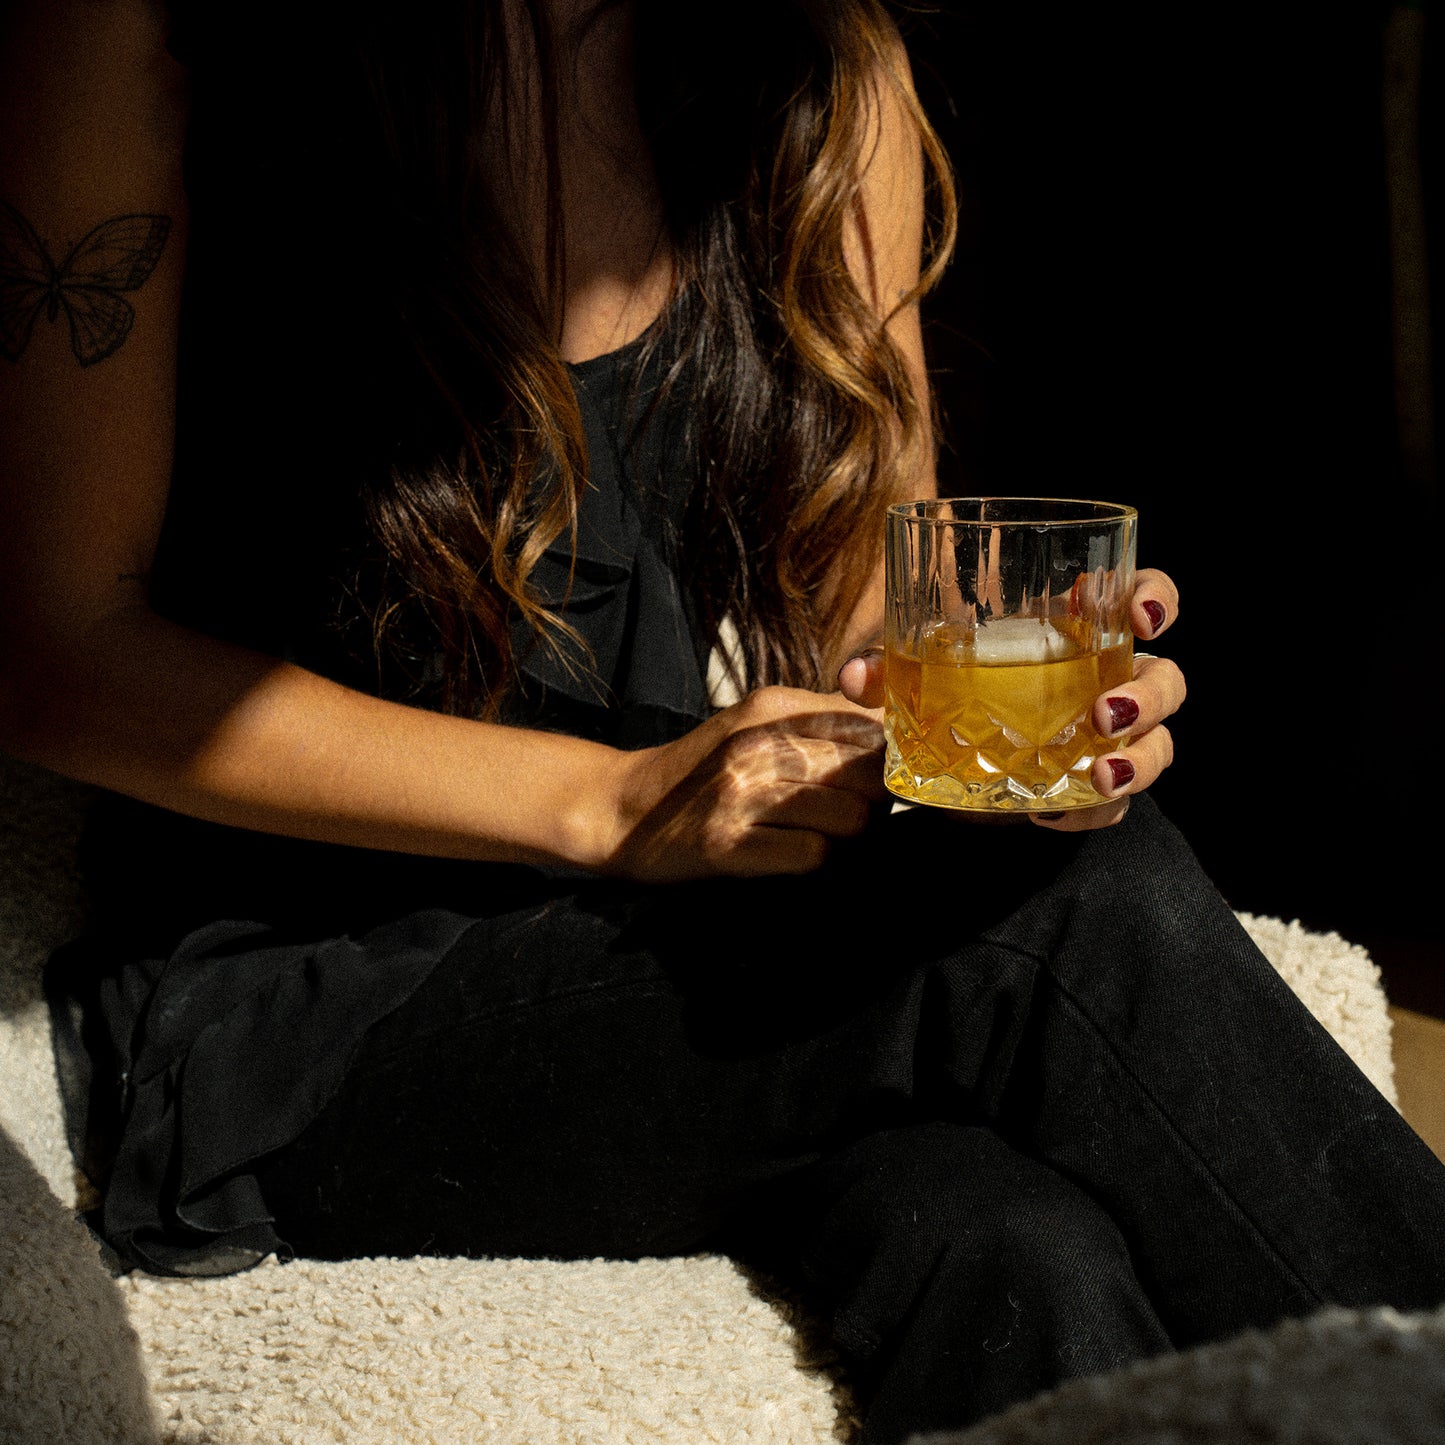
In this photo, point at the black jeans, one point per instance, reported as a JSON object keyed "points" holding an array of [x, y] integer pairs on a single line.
{"points": [[1008, 1106]]}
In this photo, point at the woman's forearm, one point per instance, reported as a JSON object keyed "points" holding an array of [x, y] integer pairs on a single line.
{"points": [[150, 709]]}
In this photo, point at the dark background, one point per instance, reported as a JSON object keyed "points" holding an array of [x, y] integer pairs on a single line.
{"points": [[1174, 288]]}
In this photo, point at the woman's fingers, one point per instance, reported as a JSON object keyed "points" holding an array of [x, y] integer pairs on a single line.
{"points": [[1081, 820], [1132, 717], [760, 788], [1117, 777], [1155, 604], [767, 851], [1132, 769], [1156, 692], [860, 679], [834, 812], [823, 752]]}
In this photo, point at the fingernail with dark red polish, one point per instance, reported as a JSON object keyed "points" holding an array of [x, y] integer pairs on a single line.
{"points": [[1155, 612], [1123, 713], [1122, 770]]}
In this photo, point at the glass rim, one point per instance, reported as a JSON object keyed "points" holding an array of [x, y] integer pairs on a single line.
{"points": [[1103, 512]]}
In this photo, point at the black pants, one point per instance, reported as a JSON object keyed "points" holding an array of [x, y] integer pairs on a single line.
{"points": [[1008, 1106]]}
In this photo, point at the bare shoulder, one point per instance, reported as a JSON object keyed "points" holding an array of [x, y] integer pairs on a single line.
{"points": [[123, 33], [86, 79]]}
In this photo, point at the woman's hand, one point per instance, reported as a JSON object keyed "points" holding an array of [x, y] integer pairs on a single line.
{"points": [[1132, 715], [762, 787]]}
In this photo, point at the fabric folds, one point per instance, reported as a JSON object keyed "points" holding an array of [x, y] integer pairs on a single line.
{"points": [[240, 1041], [638, 674]]}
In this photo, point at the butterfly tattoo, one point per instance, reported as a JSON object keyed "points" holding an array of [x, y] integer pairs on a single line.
{"points": [[117, 256]]}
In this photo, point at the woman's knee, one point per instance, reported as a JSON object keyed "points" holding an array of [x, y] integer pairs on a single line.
{"points": [[949, 1224], [906, 1199]]}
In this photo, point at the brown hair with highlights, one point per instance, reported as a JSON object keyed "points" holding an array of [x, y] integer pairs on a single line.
{"points": [[760, 117]]}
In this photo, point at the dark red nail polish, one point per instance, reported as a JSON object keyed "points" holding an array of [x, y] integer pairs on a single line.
{"points": [[1123, 713], [1122, 770], [1155, 613]]}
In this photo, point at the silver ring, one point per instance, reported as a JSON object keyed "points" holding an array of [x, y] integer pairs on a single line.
{"points": [[1146, 657]]}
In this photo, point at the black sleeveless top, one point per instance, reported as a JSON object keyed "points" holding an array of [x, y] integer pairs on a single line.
{"points": [[212, 1006]]}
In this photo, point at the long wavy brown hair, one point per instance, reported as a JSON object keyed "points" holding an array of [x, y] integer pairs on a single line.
{"points": [[759, 116]]}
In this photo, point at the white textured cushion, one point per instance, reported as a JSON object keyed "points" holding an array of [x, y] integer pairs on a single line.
{"points": [[70, 1364]]}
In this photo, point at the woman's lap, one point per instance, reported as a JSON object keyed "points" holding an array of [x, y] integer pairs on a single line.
{"points": [[613, 1070], [568, 1082], [622, 1072]]}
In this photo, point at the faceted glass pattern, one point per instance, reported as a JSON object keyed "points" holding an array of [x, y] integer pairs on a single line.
{"points": [[1007, 618], [1001, 736]]}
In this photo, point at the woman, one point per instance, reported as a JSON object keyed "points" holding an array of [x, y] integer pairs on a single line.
{"points": [[401, 399]]}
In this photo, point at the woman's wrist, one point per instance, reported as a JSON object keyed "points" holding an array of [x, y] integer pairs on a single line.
{"points": [[591, 810]]}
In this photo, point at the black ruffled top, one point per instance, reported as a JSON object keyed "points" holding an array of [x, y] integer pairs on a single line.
{"points": [[626, 594]]}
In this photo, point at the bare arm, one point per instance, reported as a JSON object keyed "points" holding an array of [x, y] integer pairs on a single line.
{"points": [[95, 684], [92, 682]]}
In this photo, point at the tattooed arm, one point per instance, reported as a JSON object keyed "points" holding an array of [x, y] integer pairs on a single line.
{"points": [[95, 684], [92, 682]]}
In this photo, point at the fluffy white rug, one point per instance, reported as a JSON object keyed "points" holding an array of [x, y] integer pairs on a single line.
{"points": [[70, 1363], [506, 1351], [668, 1352]]}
